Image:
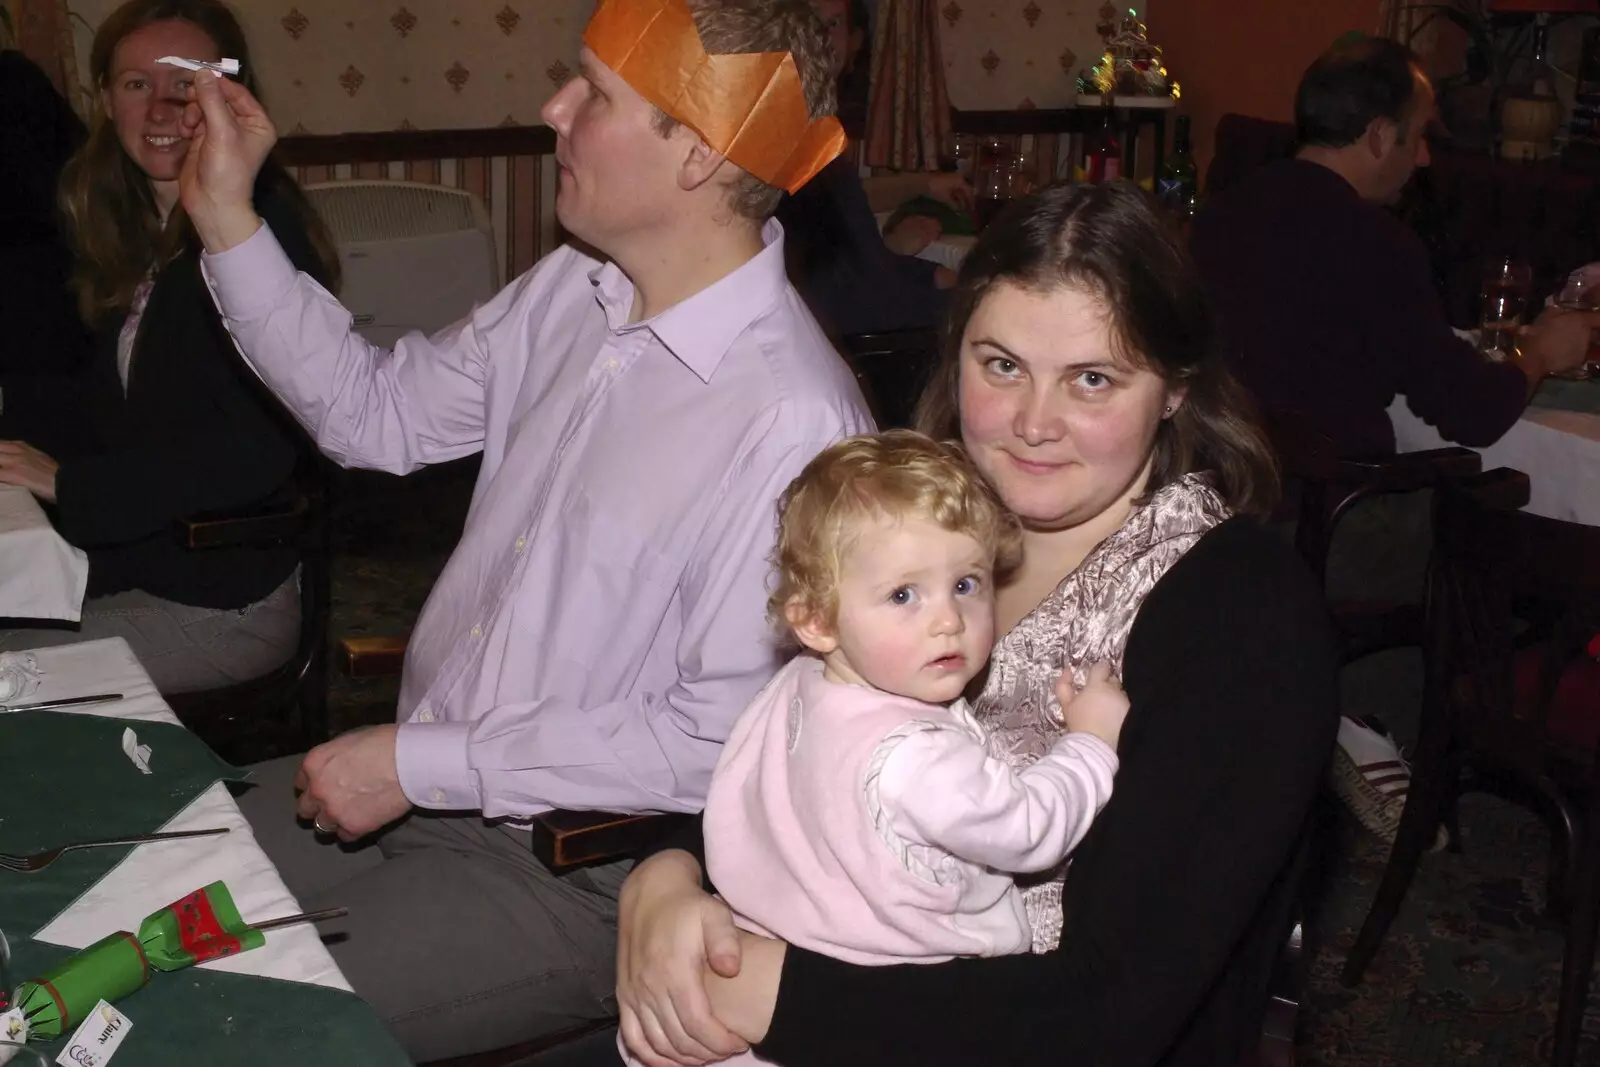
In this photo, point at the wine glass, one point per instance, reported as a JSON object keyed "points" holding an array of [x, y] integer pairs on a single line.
{"points": [[13, 1053], [1507, 287], [1582, 293], [993, 188], [959, 153]]}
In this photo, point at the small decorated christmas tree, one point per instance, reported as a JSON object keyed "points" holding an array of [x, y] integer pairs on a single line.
{"points": [[1130, 65]]}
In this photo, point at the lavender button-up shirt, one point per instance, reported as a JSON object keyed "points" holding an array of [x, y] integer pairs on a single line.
{"points": [[601, 624]]}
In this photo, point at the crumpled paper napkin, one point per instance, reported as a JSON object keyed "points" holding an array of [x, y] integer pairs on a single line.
{"points": [[19, 676]]}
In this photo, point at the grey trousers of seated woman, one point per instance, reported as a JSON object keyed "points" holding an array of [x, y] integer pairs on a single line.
{"points": [[185, 648]]}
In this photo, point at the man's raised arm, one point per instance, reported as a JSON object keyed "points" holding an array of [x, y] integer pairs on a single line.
{"points": [[365, 407]]}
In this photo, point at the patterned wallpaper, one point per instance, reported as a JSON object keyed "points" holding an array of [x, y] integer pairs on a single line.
{"points": [[337, 66], [1003, 54]]}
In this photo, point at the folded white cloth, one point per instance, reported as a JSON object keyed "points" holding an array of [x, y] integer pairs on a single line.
{"points": [[41, 576]]}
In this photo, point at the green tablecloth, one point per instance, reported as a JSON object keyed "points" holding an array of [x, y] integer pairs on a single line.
{"points": [[65, 778], [206, 1018]]}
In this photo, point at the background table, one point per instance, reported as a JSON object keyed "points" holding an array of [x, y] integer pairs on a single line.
{"points": [[41, 576], [1556, 443], [154, 875], [949, 250]]}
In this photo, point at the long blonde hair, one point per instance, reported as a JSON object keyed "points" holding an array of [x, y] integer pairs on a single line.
{"points": [[110, 210]]}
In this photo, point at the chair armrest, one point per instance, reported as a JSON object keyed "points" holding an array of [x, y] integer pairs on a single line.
{"points": [[1408, 471], [372, 657], [566, 839], [226, 529]]}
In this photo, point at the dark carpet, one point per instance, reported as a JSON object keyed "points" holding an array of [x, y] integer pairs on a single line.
{"points": [[1469, 972]]}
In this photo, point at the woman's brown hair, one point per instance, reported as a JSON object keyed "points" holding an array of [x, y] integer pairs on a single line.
{"points": [[1108, 240], [116, 229]]}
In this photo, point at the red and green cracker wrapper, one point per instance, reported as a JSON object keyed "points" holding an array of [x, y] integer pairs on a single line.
{"points": [[204, 925]]}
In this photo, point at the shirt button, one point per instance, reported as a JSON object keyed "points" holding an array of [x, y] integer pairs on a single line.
{"points": [[425, 715], [477, 631], [611, 364], [522, 542], [437, 796]]}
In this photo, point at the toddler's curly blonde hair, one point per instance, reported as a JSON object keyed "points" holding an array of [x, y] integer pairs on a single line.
{"points": [[896, 474]]}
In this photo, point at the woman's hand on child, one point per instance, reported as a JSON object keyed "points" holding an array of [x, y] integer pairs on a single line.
{"points": [[1098, 708], [746, 1003], [669, 934]]}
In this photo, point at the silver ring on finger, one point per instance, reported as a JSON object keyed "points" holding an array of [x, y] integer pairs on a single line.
{"points": [[316, 824]]}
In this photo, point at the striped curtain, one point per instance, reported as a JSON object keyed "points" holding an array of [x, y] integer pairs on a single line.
{"points": [[44, 34], [1390, 19], [908, 109]]}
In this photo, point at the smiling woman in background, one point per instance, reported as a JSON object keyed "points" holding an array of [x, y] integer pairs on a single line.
{"points": [[165, 422]]}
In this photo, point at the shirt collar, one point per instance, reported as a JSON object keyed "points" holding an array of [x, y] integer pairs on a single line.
{"points": [[700, 330]]}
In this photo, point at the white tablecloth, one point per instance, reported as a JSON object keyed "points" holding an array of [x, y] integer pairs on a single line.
{"points": [[155, 875], [1558, 450], [949, 250], [41, 576]]}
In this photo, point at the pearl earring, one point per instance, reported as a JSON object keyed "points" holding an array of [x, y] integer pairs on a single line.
{"points": [[1169, 409]]}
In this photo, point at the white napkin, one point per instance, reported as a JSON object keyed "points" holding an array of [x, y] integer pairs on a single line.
{"points": [[139, 754], [41, 576]]}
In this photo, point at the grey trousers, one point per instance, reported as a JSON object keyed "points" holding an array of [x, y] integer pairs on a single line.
{"points": [[460, 938], [182, 647]]}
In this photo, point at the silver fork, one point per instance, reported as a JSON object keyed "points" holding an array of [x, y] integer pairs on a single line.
{"points": [[38, 861]]}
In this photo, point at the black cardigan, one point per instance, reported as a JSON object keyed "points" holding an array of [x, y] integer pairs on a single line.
{"points": [[1178, 899], [195, 432]]}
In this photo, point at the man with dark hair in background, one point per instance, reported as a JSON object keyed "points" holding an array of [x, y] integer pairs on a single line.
{"points": [[1327, 304], [1326, 299]]}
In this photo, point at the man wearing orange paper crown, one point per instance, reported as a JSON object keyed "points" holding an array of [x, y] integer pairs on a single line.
{"points": [[600, 624]]}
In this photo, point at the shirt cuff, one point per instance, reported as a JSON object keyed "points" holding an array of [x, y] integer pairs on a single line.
{"points": [[431, 760], [251, 278]]}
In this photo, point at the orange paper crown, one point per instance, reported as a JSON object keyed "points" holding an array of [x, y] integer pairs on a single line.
{"points": [[751, 107]]}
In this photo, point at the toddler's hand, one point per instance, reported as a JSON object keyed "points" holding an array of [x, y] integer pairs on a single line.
{"points": [[1098, 708]]}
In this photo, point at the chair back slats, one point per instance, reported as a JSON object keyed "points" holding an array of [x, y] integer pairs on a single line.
{"points": [[1327, 486]]}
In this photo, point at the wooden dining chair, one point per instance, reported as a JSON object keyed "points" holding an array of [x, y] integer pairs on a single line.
{"points": [[285, 710], [892, 369], [1513, 692], [1324, 488]]}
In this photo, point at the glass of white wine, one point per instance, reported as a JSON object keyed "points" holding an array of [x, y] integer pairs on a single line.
{"points": [[1507, 284], [1582, 293]]}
